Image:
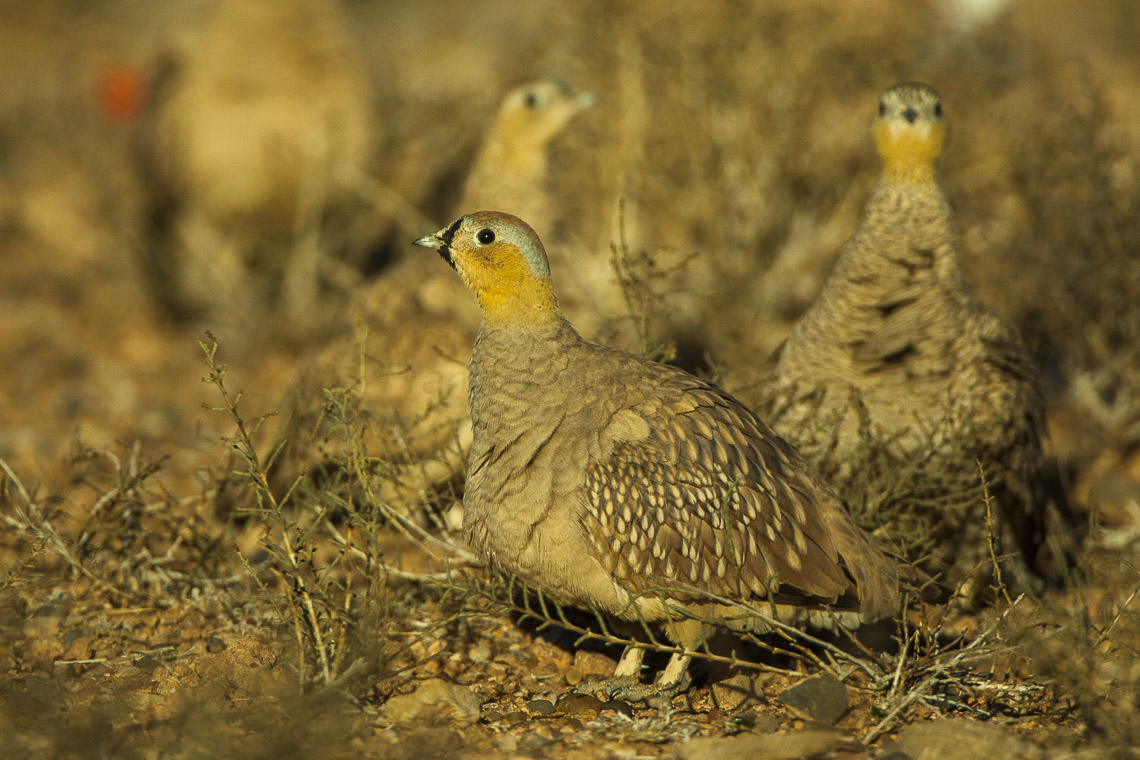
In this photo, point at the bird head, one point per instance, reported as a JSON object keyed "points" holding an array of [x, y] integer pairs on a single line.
{"points": [[500, 258], [536, 113], [910, 131]]}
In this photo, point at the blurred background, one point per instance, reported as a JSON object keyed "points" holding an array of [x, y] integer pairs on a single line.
{"points": [[701, 199]]}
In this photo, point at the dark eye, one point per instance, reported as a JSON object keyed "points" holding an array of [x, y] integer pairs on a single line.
{"points": [[485, 236], [532, 100], [937, 109]]}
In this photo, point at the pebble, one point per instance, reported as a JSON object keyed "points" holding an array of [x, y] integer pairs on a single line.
{"points": [[541, 706], [619, 706], [788, 745], [435, 698], [735, 692], [582, 705], [962, 737], [821, 698]]}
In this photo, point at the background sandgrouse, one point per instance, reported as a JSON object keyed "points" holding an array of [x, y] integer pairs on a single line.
{"points": [[258, 115], [897, 369]]}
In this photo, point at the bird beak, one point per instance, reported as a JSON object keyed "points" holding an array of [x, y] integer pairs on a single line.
{"points": [[429, 241], [438, 243]]}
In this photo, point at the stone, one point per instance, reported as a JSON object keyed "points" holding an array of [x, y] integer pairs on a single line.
{"points": [[788, 745], [541, 706], [735, 693], [580, 705], [590, 665], [821, 698], [435, 699], [619, 706], [962, 737]]}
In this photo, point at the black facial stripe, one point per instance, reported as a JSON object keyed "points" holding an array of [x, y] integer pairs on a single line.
{"points": [[447, 237], [449, 233]]}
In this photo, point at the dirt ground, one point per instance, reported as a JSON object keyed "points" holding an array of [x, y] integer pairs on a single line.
{"points": [[163, 592]]}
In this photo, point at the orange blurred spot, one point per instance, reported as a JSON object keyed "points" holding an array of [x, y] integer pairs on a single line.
{"points": [[121, 92]]}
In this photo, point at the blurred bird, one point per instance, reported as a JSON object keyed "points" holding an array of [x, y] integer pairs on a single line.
{"points": [[255, 117], [629, 487], [511, 167], [897, 360]]}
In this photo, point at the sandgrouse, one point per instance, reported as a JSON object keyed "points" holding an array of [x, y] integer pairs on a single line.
{"points": [[630, 487], [896, 360], [256, 114]]}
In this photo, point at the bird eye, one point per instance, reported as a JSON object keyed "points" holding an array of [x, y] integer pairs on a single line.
{"points": [[485, 236]]}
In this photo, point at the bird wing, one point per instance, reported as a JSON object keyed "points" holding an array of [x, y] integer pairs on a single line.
{"points": [[693, 490]]}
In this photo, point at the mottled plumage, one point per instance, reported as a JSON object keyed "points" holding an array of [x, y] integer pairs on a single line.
{"points": [[896, 359], [629, 486]]}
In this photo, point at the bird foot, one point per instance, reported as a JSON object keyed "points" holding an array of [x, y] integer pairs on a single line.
{"points": [[656, 694], [629, 689], [606, 686]]}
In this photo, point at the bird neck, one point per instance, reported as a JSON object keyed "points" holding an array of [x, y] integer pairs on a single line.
{"points": [[512, 296], [506, 153], [909, 155]]}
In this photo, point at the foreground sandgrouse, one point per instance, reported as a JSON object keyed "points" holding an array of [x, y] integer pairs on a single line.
{"points": [[897, 366], [630, 487], [256, 114]]}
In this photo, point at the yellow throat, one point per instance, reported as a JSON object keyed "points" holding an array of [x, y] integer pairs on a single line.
{"points": [[509, 293], [908, 151]]}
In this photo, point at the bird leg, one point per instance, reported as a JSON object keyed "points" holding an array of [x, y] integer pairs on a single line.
{"points": [[673, 680], [630, 663], [626, 674], [675, 673], [624, 684]]}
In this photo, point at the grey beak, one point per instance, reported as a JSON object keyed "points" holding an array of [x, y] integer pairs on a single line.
{"points": [[429, 241], [438, 243]]}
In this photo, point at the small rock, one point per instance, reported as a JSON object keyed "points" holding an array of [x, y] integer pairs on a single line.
{"points": [[961, 737], [760, 724], [508, 719], [592, 665], [537, 741], [479, 653], [789, 745], [580, 705], [735, 692], [619, 706], [433, 699], [541, 706], [821, 698]]}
